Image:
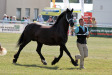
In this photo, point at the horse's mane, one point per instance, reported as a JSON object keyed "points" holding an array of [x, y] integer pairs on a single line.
{"points": [[59, 17]]}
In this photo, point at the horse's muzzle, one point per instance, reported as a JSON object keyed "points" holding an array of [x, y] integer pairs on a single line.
{"points": [[71, 24]]}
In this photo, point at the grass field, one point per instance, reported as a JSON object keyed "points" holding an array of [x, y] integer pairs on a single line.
{"points": [[99, 61]]}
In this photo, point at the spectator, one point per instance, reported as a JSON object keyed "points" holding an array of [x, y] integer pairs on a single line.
{"points": [[10, 18], [5, 17], [94, 22], [50, 20], [28, 19], [75, 21], [40, 19], [89, 22], [23, 19], [14, 18], [75, 24]]}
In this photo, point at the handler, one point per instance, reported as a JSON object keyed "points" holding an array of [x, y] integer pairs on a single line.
{"points": [[82, 33]]}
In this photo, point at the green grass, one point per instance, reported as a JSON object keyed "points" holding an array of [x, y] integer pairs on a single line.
{"points": [[99, 61]]}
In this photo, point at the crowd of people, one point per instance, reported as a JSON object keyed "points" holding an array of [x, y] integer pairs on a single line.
{"points": [[6, 18], [92, 23], [50, 19], [26, 20]]}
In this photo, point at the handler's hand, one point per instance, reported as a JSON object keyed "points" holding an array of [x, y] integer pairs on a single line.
{"points": [[72, 29], [88, 35]]}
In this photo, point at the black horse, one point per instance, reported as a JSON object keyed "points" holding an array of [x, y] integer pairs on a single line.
{"points": [[48, 35]]}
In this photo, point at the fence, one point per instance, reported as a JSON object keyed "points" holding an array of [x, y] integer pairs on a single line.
{"points": [[15, 26], [12, 26], [101, 31]]}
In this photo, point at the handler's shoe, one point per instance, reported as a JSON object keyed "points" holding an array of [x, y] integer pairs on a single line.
{"points": [[82, 67]]}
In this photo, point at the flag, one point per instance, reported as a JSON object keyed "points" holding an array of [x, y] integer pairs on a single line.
{"points": [[53, 3], [82, 7]]}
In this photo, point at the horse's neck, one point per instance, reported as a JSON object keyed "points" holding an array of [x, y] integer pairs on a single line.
{"points": [[62, 25], [66, 25]]}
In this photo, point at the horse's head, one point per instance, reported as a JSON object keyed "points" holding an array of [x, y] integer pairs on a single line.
{"points": [[69, 17]]}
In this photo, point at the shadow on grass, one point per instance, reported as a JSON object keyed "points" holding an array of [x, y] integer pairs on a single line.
{"points": [[73, 68], [33, 65]]}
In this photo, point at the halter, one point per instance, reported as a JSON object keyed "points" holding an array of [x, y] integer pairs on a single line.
{"points": [[68, 19]]}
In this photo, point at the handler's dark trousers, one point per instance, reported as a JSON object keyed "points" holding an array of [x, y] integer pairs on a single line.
{"points": [[83, 53]]}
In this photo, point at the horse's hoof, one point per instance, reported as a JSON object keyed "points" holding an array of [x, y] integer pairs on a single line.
{"points": [[54, 61], [44, 62], [74, 63], [14, 61]]}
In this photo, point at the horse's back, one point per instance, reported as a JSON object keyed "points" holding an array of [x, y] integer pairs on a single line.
{"points": [[32, 26], [36, 26], [33, 30]]}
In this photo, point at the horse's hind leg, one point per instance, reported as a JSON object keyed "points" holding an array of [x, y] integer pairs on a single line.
{"points": [[20, 48], [57, 59], [39, 52]]}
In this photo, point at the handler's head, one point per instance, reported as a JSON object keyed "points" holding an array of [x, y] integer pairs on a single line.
{"points": [[81, 21]]}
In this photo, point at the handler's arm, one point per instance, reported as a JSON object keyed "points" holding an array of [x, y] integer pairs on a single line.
{"points": [[75, 29]]}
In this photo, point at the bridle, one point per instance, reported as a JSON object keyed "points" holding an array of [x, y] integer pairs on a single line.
{"points": [[68, 20]]}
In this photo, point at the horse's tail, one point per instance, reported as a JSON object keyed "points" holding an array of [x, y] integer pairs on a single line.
{"points": [[20, 41]]}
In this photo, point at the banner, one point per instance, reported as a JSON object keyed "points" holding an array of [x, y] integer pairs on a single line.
{"points": [[12, 28], [66, 4], [82, 7], [100, 31]]}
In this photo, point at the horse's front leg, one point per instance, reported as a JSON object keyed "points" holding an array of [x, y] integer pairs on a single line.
{"points": [[39, 52], [68, 53], [57, 59]]}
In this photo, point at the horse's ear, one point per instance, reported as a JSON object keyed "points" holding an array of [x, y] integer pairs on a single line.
{"points": [[67, 10], [72, 10]]}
